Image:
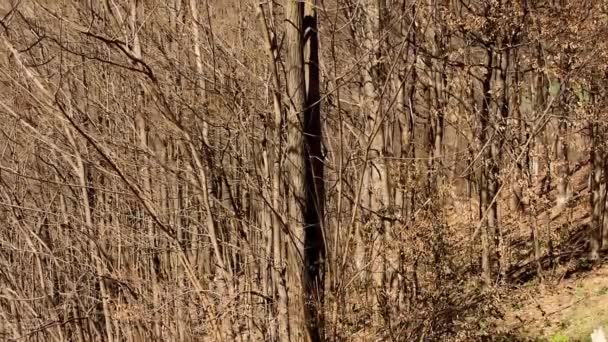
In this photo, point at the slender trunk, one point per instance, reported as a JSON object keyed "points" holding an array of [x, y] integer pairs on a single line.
{"points": [[542, 161], [376, 186], [305, 243], [314, 259], [486, 183], [561, 149], [224, 276], [604, 193], [597, 162], [563, 193], [142, 134], [520, 138], [279, 316], [501, 118], [171, 200], [407, 99], [88, 205]]}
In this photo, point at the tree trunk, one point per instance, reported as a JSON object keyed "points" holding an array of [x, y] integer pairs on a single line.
{"points": [[305, 244], [486, 184], [314, 261], [597, 162], [375, 184]]}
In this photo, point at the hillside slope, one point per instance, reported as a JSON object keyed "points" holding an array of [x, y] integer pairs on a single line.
{"points": [[568, 311]]}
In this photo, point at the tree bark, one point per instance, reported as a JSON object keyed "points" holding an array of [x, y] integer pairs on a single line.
{"points": [[375, 183], [305, 243], [597, 162], [486, 184], [315, 188]]}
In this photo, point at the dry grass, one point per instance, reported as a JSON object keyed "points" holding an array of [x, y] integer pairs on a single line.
{"points": [[568, 310]]}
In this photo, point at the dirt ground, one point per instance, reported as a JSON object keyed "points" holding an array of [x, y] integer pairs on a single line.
{"points": [[568, 311]]}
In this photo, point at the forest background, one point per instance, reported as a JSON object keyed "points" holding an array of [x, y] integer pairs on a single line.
{"points": [[231, 170]]}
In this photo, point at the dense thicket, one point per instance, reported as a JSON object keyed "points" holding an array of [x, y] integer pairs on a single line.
{"points": [[190, 170]]}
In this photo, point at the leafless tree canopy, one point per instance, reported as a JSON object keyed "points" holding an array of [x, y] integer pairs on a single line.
{"points": [[336, 170]]}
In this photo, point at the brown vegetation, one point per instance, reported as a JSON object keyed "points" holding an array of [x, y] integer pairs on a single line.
{"points": [[294, 170]]}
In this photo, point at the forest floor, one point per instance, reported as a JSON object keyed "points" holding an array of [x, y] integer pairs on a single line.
{"points": [[565, 311], [570, 299]]}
